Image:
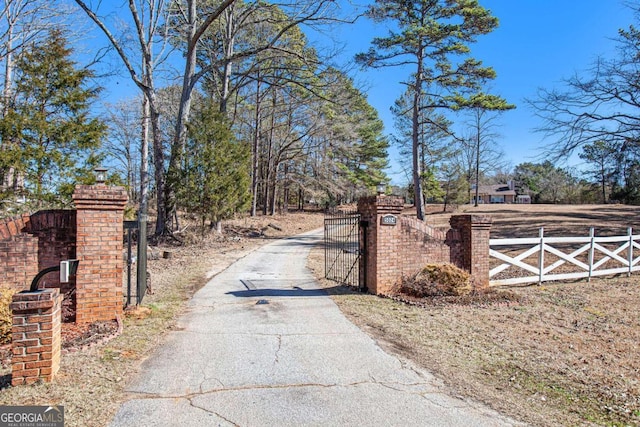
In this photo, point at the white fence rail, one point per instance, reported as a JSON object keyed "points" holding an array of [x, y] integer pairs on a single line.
{"points": [[524, 261]]}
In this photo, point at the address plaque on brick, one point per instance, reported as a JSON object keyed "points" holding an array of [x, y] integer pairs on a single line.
{"points": [[389, 220]]}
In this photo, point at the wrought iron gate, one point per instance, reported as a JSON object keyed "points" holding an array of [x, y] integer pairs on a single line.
{"points": [[342, 255]]}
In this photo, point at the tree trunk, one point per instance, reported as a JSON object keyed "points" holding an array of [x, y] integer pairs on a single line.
{"points": [[300, 199], [184, 109], [415, 142], [604, 184], [254, 151], [144, 153], [8, 72], [158, 156], [270, 169], [228, 65], [478, 118], [217, 226], [285, 195], [274, 193]]}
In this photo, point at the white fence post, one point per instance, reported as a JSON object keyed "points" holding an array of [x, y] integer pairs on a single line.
{"points": [[592, 237], [630, 250], [541, 257]]}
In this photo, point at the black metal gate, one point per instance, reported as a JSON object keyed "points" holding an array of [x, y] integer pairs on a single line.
{"points": [[140, 288], [342, 248]]}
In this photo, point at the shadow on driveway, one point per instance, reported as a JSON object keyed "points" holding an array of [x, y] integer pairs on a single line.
{"points": [[295, 292]]}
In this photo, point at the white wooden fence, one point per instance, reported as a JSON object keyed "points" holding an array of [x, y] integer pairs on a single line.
{"points": [[580, 257]]}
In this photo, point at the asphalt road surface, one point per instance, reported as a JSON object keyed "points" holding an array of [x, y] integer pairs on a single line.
{"points": [[262, 345]]}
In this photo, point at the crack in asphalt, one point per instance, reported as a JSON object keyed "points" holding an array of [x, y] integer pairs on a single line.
{"points": [[463, 405], [147, 395], [262, 334], [278, 349], [193, 405]]}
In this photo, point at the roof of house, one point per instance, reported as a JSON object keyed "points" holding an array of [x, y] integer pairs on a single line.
{"points": [[495, 190]]}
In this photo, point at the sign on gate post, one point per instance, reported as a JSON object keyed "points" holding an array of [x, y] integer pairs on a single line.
{"points": [[389, 220]]}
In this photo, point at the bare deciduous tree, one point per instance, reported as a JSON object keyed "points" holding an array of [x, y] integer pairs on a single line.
{"points": [[601, 103]]}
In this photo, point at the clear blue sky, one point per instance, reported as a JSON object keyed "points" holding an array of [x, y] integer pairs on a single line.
{"points": [[538, 43]]}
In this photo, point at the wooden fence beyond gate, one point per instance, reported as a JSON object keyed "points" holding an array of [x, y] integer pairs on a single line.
{"points": [[540, 259]]}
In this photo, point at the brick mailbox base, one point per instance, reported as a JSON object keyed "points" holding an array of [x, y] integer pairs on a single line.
{"points": [[36, 336]]}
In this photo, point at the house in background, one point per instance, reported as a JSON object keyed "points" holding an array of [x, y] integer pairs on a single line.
{"points": [[496, 193]]}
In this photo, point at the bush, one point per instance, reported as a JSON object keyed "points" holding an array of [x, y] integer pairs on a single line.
{"points": [[437, 280], [6, 322]]}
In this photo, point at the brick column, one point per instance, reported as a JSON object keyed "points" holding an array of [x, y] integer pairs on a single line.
{"points": [[475, 233], [35, 336], [380, 264], [100, 211]]}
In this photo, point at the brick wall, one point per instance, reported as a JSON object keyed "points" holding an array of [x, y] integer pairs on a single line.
{"points": [[18, 255], [99, 213], [381, 254], [32, 243], [36, 338], [393, 251], [56, 233], [92, 234], [474, 257], [422, 244]]}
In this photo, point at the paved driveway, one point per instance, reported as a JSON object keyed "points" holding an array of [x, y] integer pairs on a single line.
{"points": [[262, 345]]}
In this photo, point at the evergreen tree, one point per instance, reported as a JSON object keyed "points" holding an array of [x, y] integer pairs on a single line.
{"points": [[53, 139], [216, 177], [546, 183], [358, 145], [433, 192], [433, 36], [601, 157]]}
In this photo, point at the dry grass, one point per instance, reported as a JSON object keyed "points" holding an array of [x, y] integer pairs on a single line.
{"points": [[90, 383], [558, 354], [557, 220], [6, 295]]}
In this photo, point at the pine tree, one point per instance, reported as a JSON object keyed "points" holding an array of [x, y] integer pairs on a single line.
{"points": [[359, 146], [53, 140], [433, 37]]}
